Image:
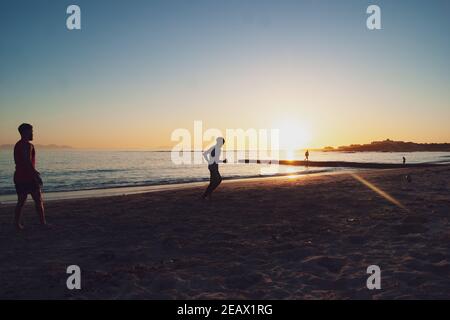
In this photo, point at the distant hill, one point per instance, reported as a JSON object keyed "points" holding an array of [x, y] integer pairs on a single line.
{"points": [[392, 146], [37, 146]]}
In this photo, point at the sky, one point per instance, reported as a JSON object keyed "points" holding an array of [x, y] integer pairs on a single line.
{"points": [[138, 70]]}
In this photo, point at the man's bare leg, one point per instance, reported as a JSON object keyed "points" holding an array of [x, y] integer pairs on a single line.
{"points": [[21, 199], [39, 203]]}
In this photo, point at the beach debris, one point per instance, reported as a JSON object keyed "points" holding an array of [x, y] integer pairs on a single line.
{"points": [[167, 261], [276, 237]]}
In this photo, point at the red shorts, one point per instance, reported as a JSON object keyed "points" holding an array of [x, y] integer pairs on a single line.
{"points": [[27, 188]]}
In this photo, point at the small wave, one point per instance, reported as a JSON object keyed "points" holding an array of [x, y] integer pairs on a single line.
{"points": [[111, 184], [81, 172]]}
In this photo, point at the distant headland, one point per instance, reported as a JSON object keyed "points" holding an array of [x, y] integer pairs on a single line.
{"points": [[392, 146], [38, 146]]}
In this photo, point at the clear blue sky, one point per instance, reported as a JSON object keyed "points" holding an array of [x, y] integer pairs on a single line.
{"points": [[139, 69]]}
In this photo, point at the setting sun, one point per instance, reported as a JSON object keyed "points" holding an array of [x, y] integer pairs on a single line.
{"points": [[294, 135]]}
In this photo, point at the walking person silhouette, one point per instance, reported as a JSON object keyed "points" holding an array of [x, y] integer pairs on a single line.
{"points": [[26, 178], [212, 156]]}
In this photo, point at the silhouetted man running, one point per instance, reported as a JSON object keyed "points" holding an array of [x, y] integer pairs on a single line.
{"points": [[212, 156], [26, 179]]}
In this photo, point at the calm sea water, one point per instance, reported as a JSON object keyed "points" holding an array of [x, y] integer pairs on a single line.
{"points": [[69, 170]]}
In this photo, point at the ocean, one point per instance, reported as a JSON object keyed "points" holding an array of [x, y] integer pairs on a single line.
{"points": [[76, 169]]}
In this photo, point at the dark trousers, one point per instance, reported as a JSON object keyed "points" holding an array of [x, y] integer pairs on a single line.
{"points": [[214, 180]]}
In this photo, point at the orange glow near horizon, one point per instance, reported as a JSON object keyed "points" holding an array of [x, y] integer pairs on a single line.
{"points": [[128, 83]]}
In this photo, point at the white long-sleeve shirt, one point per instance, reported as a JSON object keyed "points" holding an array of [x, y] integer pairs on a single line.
{"points": [[212, 155]]}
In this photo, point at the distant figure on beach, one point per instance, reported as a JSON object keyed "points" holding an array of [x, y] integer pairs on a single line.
{"points": [[212, 156], [26, 179], [404, 160], [307, 155]]}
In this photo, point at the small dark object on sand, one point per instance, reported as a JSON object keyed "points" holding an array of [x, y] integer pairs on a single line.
{"points": [[408, 178]]}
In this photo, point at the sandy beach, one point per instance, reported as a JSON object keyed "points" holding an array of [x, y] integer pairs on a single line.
{"points": [[306, 237]]}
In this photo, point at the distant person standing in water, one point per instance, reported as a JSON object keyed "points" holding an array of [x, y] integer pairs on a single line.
{"points": [[404, 160], [307, 155], [212, 156], [26, 179]]}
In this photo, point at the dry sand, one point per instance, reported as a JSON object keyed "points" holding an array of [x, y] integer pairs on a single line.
{"points": [[286, 238]]}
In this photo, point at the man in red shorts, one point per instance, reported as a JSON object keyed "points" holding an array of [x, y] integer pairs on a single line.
{"points": [[26, 178]]}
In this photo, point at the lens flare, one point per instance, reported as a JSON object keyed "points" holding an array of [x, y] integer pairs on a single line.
{"points": [[379, 191]]}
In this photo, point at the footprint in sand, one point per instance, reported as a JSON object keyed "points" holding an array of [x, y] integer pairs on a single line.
{"points": [[332, 264], [407, 228], [244, 281]]}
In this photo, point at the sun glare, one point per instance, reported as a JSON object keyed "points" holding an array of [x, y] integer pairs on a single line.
{"points": [[294, 135]]}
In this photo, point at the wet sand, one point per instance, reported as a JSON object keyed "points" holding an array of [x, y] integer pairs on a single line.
{"points": [[307, 237], [343, 164]]}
